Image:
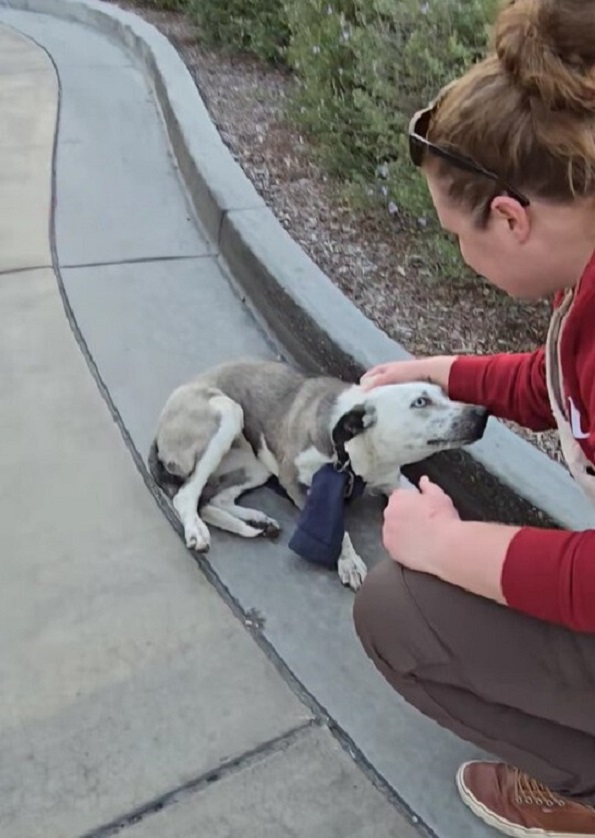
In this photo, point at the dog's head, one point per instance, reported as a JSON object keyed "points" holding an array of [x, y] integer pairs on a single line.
{"points": [[393, 426]]}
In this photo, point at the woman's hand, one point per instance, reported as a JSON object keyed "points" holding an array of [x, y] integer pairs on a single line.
{"points": [[423, 531], [434, 370], [415, 524]]}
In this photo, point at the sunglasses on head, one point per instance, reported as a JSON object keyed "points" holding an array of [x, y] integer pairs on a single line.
{"points": [[419, 145]]}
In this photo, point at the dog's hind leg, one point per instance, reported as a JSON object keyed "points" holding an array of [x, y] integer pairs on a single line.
{"points": [[256, 520], [186, 500], [223, 519], [248, 522]]}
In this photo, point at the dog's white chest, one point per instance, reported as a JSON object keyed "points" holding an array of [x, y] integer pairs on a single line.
{"points": [[308, 463]]}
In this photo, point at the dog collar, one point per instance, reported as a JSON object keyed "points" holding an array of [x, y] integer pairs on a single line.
{"points": [[354, 485]]}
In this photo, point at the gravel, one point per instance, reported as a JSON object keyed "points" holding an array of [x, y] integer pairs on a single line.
{"points": [[375, 262]]}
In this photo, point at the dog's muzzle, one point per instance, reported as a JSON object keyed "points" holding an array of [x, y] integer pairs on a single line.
{"points": [[467, 429]]}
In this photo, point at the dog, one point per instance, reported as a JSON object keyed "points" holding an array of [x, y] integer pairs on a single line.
{"points": [[234, 427]]}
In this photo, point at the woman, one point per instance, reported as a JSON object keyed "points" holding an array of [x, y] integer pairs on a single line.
{"points": [[490, 629]]}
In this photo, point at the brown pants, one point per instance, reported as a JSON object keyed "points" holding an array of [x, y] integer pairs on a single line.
{"points": [[519, 688]]}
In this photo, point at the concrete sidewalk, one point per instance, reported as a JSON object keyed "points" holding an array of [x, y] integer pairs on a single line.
{"points": [[124, 675], [132, 696]]}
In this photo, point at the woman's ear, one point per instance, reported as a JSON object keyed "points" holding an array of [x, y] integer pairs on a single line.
{"points": [[508, 211]]}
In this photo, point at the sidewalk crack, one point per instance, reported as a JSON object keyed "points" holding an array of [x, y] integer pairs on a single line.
{"points": [[202, 781]]}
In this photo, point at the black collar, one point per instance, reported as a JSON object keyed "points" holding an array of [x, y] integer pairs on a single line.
{"points": [[354, 485]]}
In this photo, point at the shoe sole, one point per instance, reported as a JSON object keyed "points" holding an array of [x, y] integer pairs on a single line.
{"points": [[502, 825]]}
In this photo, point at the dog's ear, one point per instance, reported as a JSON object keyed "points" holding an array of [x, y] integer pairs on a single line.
{"points": [[353, 423]]}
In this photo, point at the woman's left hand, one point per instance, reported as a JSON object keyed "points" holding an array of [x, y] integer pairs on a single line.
{"points": [[415, 524]]}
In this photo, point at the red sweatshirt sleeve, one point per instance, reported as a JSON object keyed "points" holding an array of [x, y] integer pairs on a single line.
{"points": [[550, 574], [511, 386]]}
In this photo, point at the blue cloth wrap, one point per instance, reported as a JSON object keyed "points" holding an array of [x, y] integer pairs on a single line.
{"points": [[318, 536]]}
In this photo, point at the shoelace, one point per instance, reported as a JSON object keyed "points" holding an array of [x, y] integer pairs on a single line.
{"points": [[529, 791]]}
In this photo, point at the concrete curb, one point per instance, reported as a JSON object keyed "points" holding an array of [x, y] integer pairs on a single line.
{"points": [[503, 476]]}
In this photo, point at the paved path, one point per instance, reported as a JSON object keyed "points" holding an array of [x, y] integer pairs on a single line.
{"points": [[130, 692]]}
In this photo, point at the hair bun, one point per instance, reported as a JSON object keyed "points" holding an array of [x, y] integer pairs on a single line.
{"points": [[548, 48]]}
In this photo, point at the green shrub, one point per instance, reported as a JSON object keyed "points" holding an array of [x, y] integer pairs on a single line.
{"points": [[256, 26], [167, 5], [363, 68]]}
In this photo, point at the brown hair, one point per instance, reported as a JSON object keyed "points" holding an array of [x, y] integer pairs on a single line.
{"points": [[527, 111]]}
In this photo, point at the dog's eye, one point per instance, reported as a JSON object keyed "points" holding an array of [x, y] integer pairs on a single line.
{"points": [[421, 401]]}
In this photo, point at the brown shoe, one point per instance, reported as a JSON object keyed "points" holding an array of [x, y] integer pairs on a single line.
{"points": [[516, 805]]}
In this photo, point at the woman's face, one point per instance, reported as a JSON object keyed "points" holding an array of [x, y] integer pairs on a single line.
{"points": [[511, 251]]}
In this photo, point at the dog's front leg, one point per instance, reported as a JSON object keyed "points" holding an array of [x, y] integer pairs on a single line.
{"points": [[351, 568], [288, 478]]}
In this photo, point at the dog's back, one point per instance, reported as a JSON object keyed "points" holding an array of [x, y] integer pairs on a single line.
{"points": [[266, 390], [281, 406]]}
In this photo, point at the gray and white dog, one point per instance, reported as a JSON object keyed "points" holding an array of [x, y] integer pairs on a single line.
{"points": [[232, 428]]}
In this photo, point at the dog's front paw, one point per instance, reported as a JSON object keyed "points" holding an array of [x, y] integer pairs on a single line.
{"points": [[197, 535], [352, 570]]}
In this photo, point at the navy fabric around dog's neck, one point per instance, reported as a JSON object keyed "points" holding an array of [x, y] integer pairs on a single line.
{"points": [[321, 526]]}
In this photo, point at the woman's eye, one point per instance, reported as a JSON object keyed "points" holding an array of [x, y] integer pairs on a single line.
{"points": [[422, 401]]}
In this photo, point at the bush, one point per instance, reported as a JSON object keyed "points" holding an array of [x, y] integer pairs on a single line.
{"points": [[363, 68], [256, 26], [167, 5]]}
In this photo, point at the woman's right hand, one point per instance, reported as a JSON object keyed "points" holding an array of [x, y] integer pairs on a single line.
{"points": [[436, 370]]}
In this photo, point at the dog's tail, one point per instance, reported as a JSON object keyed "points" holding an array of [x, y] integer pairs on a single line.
{"points": [[168, 482]]}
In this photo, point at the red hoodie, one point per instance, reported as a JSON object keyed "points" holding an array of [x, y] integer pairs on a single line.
{"points": [[548, 574]]}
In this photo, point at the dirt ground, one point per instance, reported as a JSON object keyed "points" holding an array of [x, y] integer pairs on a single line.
{"points": [[378, 265]]}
